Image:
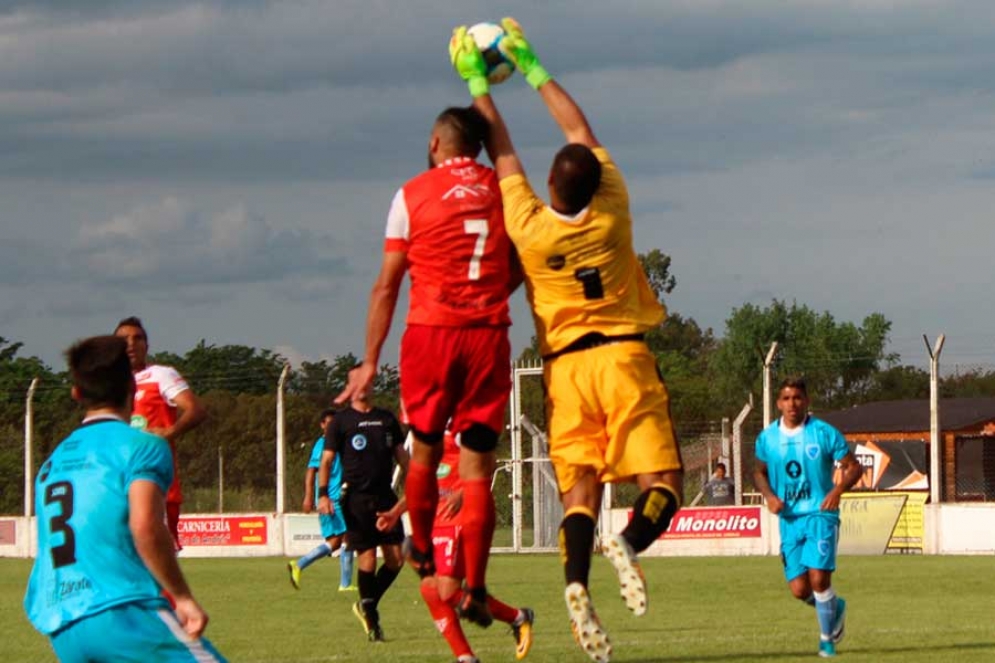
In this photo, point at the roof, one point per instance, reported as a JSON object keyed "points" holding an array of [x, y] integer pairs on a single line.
{"points": [[912, 415]]}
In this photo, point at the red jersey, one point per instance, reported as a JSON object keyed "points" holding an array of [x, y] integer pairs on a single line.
{"points": [[450, 223], [155, 388], [448, 478]]}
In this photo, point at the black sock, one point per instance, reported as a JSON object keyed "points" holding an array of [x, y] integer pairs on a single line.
{"points": [[651, 516], [367, 585], [576, 541], [384, 578]]}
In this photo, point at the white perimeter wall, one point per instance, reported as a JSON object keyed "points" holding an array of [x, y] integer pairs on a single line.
{"points": [[951, 529]]}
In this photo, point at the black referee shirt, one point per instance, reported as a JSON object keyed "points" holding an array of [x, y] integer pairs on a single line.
{"points": [[365, 442]]}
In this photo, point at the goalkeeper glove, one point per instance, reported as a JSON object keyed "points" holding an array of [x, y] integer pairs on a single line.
{"points": [[468, 62], [517, 49]]}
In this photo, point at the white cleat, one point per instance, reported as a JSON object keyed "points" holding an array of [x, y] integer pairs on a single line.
{"points": [[585, 625], [631, 582]]}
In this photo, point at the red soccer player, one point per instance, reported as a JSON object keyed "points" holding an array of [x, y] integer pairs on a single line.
{"points": [[445, 229], [442, 592], [164, 405]]}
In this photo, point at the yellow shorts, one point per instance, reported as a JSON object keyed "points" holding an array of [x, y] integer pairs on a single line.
{"points": [[608, 410]]}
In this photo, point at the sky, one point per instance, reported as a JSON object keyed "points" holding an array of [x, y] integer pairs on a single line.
{"points": [[224, 169]]}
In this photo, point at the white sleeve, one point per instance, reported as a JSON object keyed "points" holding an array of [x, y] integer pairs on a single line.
{"points": [[398, 226], [171, 384]]}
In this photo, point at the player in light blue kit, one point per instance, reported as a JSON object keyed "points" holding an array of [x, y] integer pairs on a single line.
{"points": [[333, 524], [795, 456], [105, 553]]}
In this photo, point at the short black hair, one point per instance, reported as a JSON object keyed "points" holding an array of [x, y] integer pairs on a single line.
{"points": [[132, 321], [464, 128], [722, 465], [576, 176], [101, 371], [327, 412], [794, 382]]}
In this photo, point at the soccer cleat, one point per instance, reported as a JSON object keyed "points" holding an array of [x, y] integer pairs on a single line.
{"points": [[421, 561], [357, 609], [839, 624], [523, 633], [376, 634], [630, 575], [474, 610], [295, 574], [585, 625], [348, 588], [827, 649]]}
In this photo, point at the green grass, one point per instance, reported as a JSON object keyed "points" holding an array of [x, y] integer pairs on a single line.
{"points": [[722, 610]]}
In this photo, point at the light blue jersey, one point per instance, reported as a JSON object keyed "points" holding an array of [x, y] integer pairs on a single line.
{"points": [[335, 475], [87, 562], [800, 466]]}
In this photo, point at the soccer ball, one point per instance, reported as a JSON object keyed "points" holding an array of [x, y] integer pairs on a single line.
{"points": [[488, 36]]}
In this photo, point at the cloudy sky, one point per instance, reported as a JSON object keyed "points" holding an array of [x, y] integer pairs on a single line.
{"points": [[224, 169]]}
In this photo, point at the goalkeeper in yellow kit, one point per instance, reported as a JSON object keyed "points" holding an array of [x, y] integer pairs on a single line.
{"points": [[608, 412]]}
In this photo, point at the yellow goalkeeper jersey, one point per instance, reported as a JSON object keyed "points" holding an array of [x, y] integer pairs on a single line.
{"points": [[581, 272]]}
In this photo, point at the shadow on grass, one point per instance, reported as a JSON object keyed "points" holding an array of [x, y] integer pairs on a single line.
{"points": [[808, 653]]}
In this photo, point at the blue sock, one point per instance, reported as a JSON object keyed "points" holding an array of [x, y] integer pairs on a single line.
{"points": [[825, 611], [345, 562], [323, 550]]}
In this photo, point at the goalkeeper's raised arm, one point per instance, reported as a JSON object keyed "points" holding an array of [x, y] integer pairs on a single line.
{"points": [[561, 105]]}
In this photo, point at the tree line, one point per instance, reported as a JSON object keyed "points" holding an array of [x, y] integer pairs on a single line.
{"points": [[709, 377]]}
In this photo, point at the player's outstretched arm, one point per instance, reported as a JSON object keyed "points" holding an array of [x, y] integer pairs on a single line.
{"points": [[565, 111], [469, 64], [383, 301], [154, 544]]}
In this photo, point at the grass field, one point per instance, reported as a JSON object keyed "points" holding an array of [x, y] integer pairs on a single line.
{"points": [[901, 609]]}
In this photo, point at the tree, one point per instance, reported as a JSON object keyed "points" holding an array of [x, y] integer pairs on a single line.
{"points": [[838, 360]]}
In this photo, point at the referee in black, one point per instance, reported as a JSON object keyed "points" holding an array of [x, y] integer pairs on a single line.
{"points": [[369, 441]]}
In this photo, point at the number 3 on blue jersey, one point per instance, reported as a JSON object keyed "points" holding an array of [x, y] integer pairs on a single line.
{"points": [[61, 493]]}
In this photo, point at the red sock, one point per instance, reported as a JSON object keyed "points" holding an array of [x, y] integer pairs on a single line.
{"points": [[446, 620], [502, 611], [478, 529], [421, 487]]}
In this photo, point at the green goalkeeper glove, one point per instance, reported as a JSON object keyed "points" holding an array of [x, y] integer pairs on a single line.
{"points": [[468, 62], [517, 49]]}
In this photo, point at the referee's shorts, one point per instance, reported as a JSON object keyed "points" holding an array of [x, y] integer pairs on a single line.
{"points": [[360, 510]]}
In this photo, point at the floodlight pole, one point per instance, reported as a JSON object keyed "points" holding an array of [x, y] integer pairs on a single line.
{"points": [[768, 360], [281, 436], [934, 417], [29, 445]]}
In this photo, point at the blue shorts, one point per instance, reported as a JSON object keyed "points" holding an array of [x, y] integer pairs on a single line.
{"points": [[809, 542], [131, 632], [333, 525]]}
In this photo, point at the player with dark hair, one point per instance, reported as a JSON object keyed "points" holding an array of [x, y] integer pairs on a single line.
{"points": [[445, 229], [608, 411], [332, 524], [164, 405], [795, 456], [367, 440], [104, 551]]}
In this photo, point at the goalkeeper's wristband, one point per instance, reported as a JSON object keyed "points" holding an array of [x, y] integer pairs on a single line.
{"points": [[538, 76], [478, 86], [323, 491]]}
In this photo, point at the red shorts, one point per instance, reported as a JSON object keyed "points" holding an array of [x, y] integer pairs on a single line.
{"points": [[446, 551], [173, 521], [458, 373]]}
